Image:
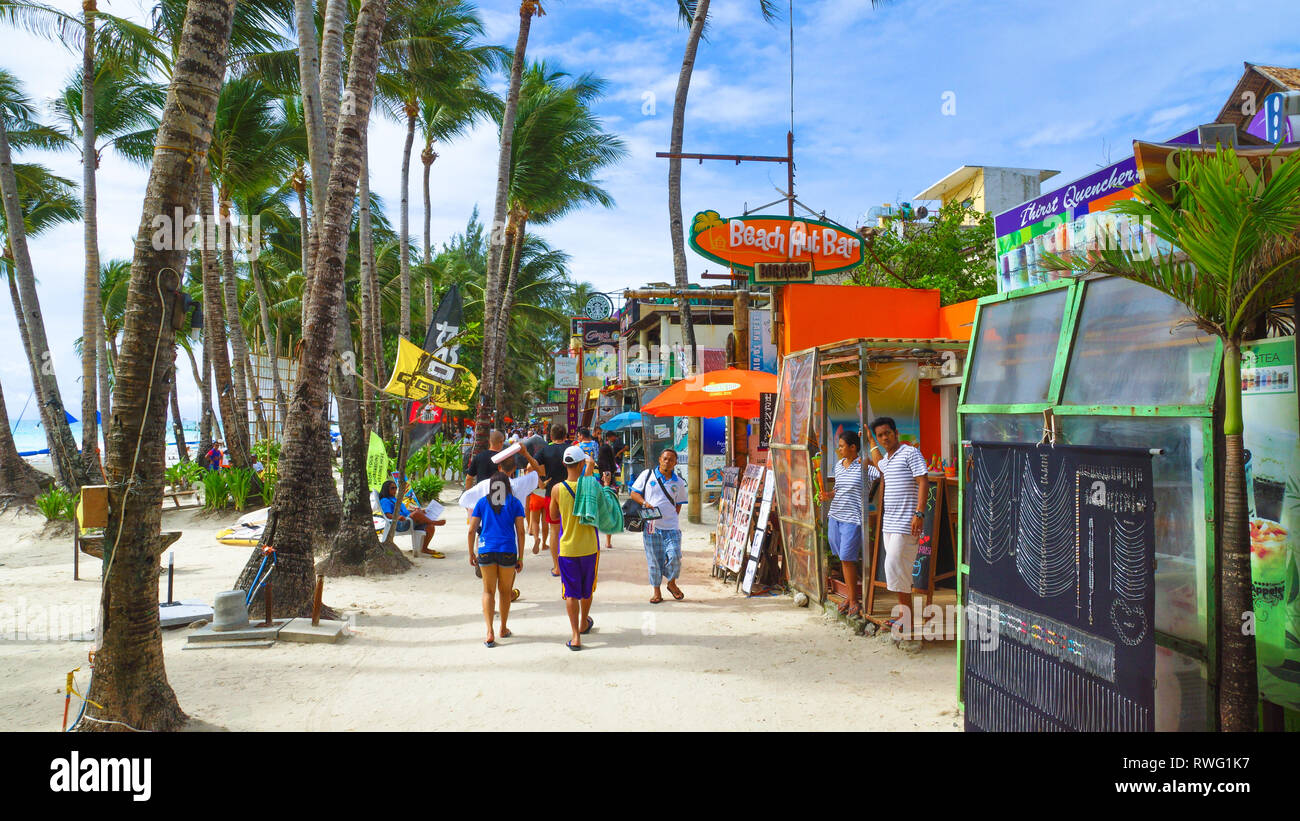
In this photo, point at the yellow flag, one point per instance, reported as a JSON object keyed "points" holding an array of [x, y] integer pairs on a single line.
{"points": [[457, 396], [418, 374]]}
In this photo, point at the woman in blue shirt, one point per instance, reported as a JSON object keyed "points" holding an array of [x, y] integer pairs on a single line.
{"points": [[500, 518], [397, 510]]}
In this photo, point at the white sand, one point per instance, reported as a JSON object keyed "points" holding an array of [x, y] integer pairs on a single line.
{"points": [[716, 661]]}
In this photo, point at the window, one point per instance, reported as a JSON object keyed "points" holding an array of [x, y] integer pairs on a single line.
{"points": [[1016, 349], [1124, 321]]}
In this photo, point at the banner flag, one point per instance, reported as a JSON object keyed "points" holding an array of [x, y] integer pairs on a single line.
{"points": [[376, 462], [441, 337]]}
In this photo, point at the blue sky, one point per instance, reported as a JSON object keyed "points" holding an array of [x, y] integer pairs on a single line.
{"points": [[1037, 85]]}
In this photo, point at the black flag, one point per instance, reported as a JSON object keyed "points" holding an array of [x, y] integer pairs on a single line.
{"points": [[438, 340]]}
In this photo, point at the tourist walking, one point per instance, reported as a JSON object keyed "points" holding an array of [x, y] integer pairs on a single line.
{"points": [[535, 506], [661, 488], [844, 519], [496, 537], [577, 547], [552, 458], [906, 483]]}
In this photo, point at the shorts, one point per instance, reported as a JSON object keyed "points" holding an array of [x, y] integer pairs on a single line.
{"points": [[536, 502], [845, 539], [499, 559], [579, 575], [900, 556]]}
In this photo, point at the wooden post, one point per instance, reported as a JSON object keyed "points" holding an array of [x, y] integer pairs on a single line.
{"points": [[315, 602], [739, 427], [694, 470]]}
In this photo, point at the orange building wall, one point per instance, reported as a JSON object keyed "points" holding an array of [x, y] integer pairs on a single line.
{"points": [[821, 314], [955, 321]]}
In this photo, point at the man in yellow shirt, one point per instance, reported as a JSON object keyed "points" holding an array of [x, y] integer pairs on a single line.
{"points": [[577, 545]]}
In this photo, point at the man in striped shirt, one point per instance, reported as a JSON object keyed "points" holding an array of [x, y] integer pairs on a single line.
{"points": [[906, 483], [844, 519]]}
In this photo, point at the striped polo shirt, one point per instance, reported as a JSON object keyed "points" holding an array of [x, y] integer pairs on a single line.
{"points": [[901, 471], [846, 506]]}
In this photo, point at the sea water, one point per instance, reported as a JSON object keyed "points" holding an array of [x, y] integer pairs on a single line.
{"points": [[29, 436]]}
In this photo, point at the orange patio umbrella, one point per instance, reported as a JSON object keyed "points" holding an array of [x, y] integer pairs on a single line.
{"points": [[729, 392]]}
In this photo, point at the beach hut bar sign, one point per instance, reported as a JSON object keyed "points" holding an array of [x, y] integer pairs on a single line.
{"points": [[746, 242]]}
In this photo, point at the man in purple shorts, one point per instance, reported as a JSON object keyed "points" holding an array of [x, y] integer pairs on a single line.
{"points": [[577, 546]]}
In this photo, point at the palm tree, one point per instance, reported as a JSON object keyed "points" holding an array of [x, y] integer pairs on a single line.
{"points": [[17, 110], [496, 243], [1238, 255], [45, 201], [558, 148], [306, 424], [130, 681], [427, 52], [120, 112]]}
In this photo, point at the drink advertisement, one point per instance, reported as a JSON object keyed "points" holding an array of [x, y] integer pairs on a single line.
{"points": [[1272, 440]]}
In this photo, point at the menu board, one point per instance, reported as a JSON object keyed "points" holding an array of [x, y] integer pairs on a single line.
{"points": [[1061, 589]]}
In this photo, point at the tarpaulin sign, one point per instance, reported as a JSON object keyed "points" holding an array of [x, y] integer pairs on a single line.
{"points": [[376, 462]]}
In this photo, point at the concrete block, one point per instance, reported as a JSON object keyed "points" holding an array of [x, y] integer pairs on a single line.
{"points": [[229, 611], [302, 630], [218, 645], [250, 633]]}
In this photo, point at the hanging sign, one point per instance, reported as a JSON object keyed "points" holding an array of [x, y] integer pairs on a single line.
{"points": [[766, 415], [598, 306], [376, 462], [596, 333], [566, 372], [746, 242]]}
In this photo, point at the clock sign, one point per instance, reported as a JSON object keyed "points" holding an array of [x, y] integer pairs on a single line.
{"points": [[598, 306]]}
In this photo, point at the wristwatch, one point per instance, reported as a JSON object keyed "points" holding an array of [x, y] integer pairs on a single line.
{"points": [[920, 514]]}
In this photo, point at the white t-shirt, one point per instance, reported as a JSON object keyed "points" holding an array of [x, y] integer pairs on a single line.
{"points": [[901, 471], [648, 486], [520, 487]]}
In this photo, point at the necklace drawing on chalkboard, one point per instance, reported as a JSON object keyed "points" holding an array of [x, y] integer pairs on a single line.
{"points": [[1045, 543]]}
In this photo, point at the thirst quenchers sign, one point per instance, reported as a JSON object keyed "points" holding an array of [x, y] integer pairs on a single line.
{"points": [[743, 242]]}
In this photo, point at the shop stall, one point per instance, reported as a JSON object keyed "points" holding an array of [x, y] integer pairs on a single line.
{"points": [[1106, 362], [839, 387]]}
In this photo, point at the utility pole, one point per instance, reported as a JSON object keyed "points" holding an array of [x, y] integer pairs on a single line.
{"points": [[739, 298], [694, 435]]}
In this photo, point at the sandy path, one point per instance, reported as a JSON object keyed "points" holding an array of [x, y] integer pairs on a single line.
{"points": [[716, 661]]}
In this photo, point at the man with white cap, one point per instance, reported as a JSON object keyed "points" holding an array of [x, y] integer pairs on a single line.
{"points": [[576, 545]]}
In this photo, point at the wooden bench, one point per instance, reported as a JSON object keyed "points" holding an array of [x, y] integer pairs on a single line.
{"points": [[92, 512], [175, 495]]}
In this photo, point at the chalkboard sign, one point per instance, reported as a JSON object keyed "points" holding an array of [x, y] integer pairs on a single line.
{"points": [[766, 415], [927, 544], [1061, 594]]}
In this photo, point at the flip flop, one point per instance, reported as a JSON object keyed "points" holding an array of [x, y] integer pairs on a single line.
{"points": [[679, 595], [657, 601], [556, 575], [505, 634], [843, 608], [478, 571], [590, 624], [489, 644], [569, 644]]}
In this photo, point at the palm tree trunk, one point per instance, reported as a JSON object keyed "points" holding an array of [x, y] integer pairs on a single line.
{"points": [[293, 525], [92, 314], [519, 219], [274, 355], [17, 484], [404, 231], [427, 157], [178, 426], [313, 118], [675, 224], [234, 417], [130, 679], [331, 73], [63, 448], [281, 400], [367, 249], [377, 336], [42, 409], [234, 319], [496, 244], [1238, 677], [305, 234]]}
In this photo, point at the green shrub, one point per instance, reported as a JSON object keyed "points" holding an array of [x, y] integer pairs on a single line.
{"points": [[54, 505], [239, 482], [270, 477], [215, 492], [70, 506], [427, 488], [418, 463], [195, 471], [267, 451], [176, 475]]}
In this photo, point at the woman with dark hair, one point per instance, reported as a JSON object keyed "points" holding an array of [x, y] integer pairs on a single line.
{"points": [[393, 510], [844, 520], [497, 554]]}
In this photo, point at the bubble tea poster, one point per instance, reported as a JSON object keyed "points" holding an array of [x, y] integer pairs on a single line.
{"points": [[1272, 440]]}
